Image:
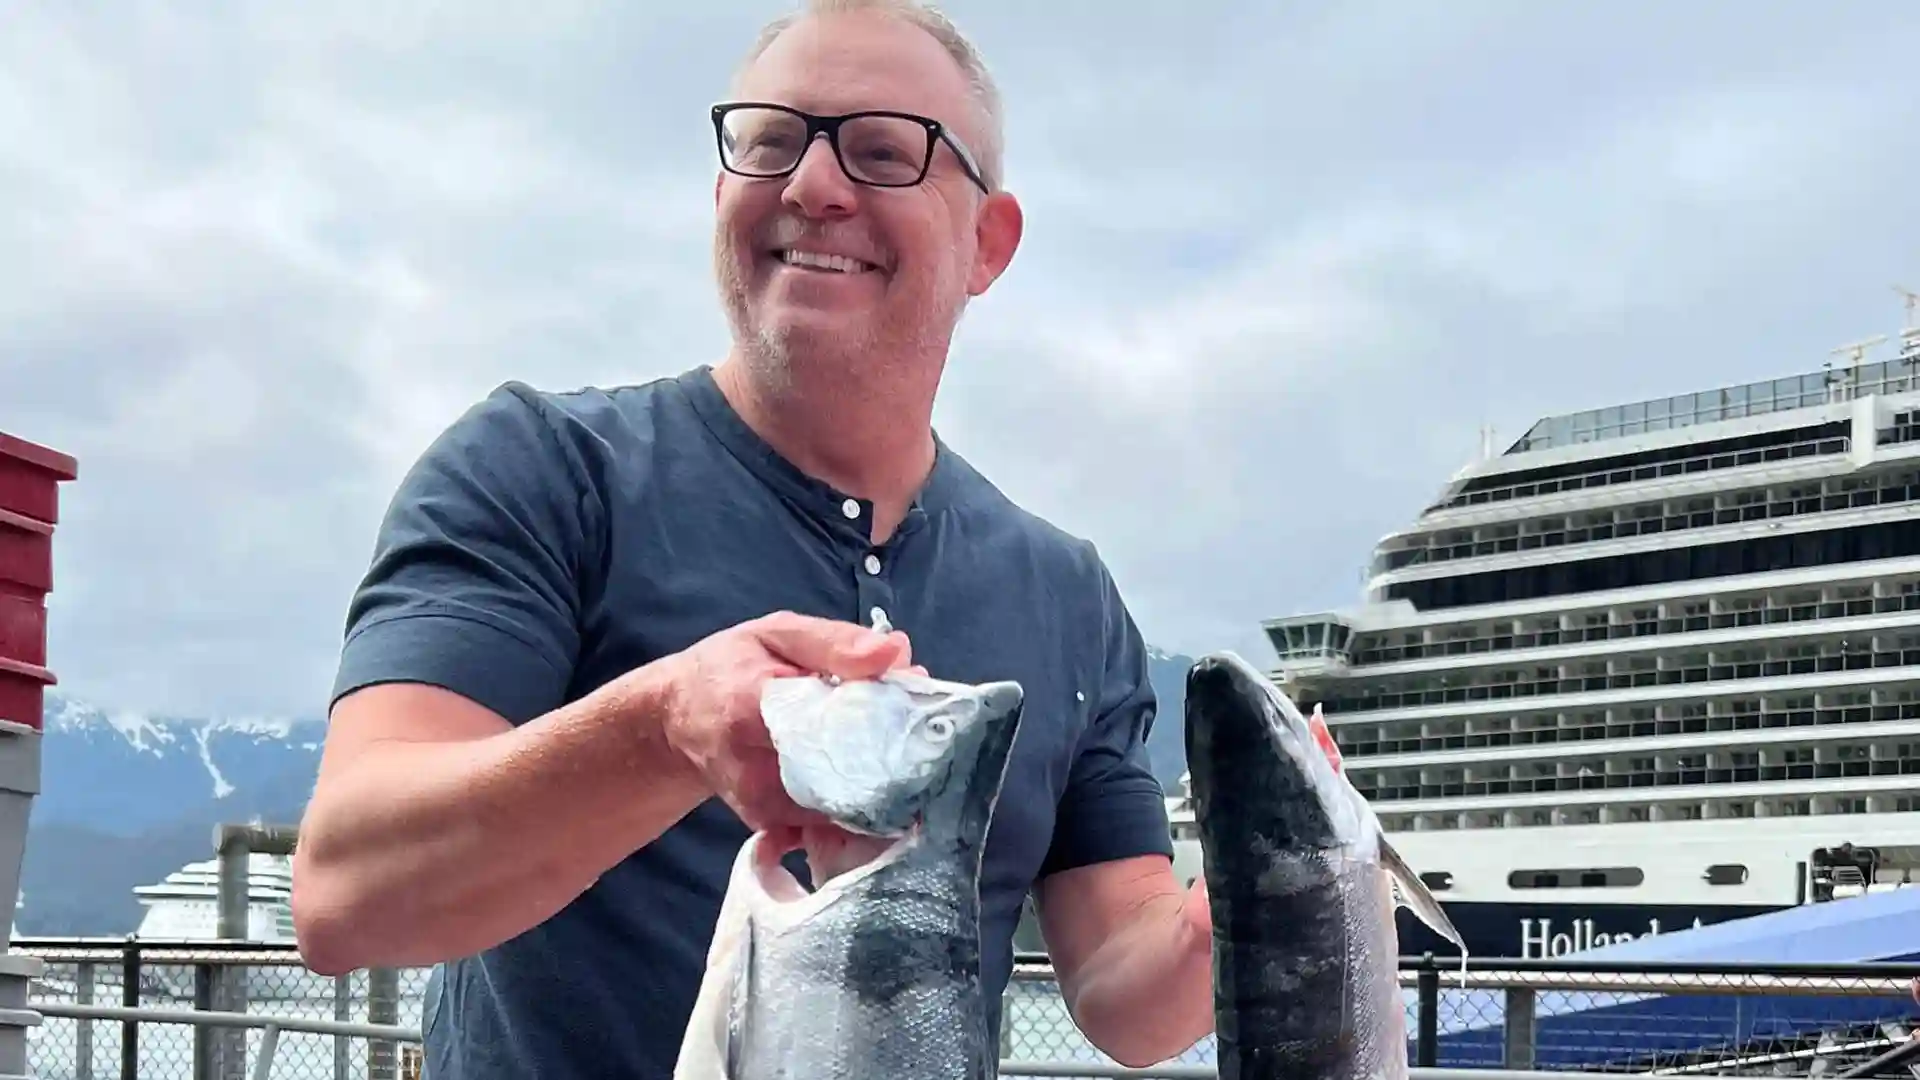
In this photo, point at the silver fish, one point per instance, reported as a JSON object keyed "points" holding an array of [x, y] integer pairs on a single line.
{"points": [[1302, 886], [875, 975]]}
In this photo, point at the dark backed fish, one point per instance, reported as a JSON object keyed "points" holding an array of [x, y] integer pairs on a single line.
{"points": [[1301, 883], [875, 975]]}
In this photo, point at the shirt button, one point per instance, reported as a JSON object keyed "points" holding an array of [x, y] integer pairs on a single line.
{"points": [[850, 508], [873, 564], [879, 617]]}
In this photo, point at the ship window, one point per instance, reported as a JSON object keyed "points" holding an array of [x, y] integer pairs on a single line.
{"points": [[1437, 880], [1726, 874], [1611, 877]]}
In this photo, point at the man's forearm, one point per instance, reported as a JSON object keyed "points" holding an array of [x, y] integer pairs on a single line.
{"points": [[423, 852], [1146, 993]]}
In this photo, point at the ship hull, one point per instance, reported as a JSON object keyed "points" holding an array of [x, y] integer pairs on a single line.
{"points": [[1546, 931]]}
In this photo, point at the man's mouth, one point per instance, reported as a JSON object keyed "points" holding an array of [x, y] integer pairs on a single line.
{"points": [[814, 260]]}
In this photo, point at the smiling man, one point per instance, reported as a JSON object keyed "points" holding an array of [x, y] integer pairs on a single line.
{"points": [[544, 747]]}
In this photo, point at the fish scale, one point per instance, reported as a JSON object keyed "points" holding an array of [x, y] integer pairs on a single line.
{"points": [[881, 986], [1300, 884], [875, 975]]}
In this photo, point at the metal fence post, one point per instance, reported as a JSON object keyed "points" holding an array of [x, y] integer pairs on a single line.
{"points": [[130, 997], [83, 975], [205, 1040], [383, 1007], [343, 1012], [1427, 986], [1518, 1025]]}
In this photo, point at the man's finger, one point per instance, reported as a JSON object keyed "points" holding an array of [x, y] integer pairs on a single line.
{"points": [[832, 647], [899, 639]]}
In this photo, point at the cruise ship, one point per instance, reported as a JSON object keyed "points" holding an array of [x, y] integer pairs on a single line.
{"points": [[185, 906], [1655, 666]]}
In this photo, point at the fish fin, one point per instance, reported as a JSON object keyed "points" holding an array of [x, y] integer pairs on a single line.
{"points": [[712, 1036], [1412, 894], [1323, 735]]}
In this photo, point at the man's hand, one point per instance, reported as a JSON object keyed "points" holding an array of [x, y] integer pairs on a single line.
{"points": [[1133, 952], [713, 718]]}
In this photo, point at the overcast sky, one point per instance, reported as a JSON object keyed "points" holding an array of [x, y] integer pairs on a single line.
{"points": [[1279, 269]]}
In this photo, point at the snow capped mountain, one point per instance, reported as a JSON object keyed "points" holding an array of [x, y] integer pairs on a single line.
{"points": [[127, 798], [1167, 741], [125, 772]]}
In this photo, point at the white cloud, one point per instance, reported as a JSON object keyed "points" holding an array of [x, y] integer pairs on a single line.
{"points": [[1279, 269]]}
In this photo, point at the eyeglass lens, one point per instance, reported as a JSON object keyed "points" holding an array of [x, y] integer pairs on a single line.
{"points": [[883, 150]]}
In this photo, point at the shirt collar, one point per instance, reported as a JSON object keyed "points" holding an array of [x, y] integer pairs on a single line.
{"points": [[943, 489]]}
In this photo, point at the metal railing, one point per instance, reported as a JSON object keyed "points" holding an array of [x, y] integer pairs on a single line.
{"points": [[254, 979], [269, 1027], [148, 1010]]}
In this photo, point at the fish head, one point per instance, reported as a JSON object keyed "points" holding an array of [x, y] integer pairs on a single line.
{"points": [[1260, 779], [873, 754]]}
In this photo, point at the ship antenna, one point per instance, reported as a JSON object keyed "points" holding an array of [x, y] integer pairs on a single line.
{"points": [[1913, 304]]}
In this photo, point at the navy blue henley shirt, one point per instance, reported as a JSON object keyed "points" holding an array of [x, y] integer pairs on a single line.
{"points": [[547, 543]]}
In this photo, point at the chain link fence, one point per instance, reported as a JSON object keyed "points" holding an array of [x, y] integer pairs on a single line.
{"points": [[1671, 1018], [237, 977], [1726, 1020]]}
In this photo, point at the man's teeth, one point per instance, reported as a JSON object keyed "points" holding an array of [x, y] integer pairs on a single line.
{"points": [[815, 261]]}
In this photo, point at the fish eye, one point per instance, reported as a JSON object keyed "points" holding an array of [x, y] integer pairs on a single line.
{"points": [[939, 727]]}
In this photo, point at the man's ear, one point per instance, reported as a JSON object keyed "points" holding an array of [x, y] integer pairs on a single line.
{"points": [[996, 238]]}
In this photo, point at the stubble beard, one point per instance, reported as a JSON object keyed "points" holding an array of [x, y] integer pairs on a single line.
{"points": [[778, 357]]}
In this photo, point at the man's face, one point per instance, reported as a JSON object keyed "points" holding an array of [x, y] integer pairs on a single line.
{"points": [[918, 252]]}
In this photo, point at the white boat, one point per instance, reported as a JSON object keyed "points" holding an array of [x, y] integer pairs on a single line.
{"points": [[185, 906], [1655, 665]]}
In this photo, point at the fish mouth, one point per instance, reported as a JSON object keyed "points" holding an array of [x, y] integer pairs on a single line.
{"points": [[832, 851], [835, 860]]}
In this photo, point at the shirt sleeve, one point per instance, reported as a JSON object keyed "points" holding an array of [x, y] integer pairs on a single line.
{"points": [[1113, 807], [479, 566]]}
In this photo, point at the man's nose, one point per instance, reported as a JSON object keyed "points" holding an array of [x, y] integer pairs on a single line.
{"points": [[818, 187]]}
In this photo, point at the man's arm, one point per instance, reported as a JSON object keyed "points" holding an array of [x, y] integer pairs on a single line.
{"points": [[458, 803], [1131, 949]]}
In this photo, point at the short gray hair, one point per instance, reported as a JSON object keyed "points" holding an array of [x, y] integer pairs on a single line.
{"points": [[991, 148]]}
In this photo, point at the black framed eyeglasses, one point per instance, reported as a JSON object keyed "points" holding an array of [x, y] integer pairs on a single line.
{"points": [[878, 148]]}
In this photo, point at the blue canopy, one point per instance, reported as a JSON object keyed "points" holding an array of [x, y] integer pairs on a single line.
{"points": [[1882, 926], [1582, 1030]]}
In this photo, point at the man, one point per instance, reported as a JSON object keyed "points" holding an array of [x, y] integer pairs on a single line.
{"points": [[545, 749]]}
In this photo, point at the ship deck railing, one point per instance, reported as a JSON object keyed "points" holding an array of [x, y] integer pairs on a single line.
{"points": [[1557, 1014]]}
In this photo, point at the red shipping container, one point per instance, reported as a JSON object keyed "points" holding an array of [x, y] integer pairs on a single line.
{"points": [[26, 553], [30, 477], [23, 689], [23, 628]]}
